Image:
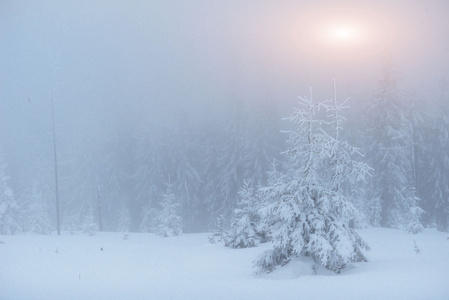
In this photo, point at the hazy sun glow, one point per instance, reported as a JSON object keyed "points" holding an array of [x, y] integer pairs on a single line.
{"points": [[343, 33]]}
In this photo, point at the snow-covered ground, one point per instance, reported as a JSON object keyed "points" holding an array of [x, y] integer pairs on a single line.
{"points": [[187, 267]]}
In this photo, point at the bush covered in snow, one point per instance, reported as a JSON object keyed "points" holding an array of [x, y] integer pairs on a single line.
{"points": [[8, 205], [89, 225]]}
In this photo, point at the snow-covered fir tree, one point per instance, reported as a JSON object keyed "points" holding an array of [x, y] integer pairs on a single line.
{"points": [[416, 152], [115, 175], [8, 204], [211, 139], [71, 223], [414, 214], [346, 171], [36, 217], [391, 154], [169, 222], [231, 162], [348, 175], [219, 235], [187, 183], [309, 213], [89, 225], [124, 219], [149, 222], [83, 183], [437, 180], [260, 146], [243, 232], [150, 165]]}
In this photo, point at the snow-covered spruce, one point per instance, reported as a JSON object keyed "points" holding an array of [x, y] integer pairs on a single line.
{"points": [[124, 219], [437, 180], [71, 223], [36, 217], [89, 225], [392, 152], [241, 147], [169, 222], [243, 232], [149, 215], [310, 212], [8, 205]]}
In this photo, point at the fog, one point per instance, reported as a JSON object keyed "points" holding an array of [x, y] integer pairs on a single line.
{"points": [[144, 90]]}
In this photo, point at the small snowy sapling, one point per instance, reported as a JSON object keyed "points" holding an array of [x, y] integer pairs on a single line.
{"points": [[8, 205], [89, 226], [219, 235], [169, 222], [243, 233]]}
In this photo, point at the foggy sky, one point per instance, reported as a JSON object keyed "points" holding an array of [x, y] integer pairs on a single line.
{"points": [[111, 63]]}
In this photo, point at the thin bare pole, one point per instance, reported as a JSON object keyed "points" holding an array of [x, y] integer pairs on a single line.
{"points": [[56, 163]]}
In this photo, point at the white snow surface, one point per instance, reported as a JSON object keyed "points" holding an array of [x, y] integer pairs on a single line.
{"points": [[188, 267]]}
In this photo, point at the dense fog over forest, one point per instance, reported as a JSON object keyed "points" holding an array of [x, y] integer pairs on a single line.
{"points": [[194, 94]]}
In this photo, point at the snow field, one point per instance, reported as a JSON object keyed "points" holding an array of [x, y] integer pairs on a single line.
{"points": [[188, 267]]}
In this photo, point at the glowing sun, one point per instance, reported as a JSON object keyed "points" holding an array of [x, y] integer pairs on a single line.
{"points": [[342, 34]]}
